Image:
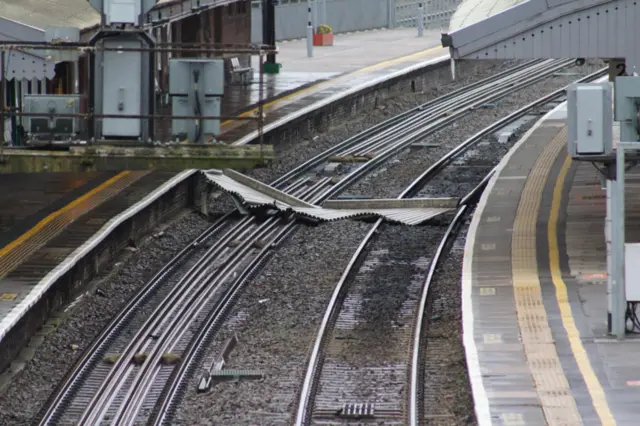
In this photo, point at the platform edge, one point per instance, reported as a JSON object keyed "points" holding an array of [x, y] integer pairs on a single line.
{"points": [[20, 310], [480, 399]]}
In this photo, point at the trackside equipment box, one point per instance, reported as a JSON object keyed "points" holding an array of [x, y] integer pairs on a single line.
{"points": [[590, 114]]}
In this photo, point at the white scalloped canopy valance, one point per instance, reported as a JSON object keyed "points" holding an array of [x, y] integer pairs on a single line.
{"points": [[23, 65]]}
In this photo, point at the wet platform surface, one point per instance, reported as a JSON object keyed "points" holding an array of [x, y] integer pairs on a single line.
{"points": [[535, 292], [26, 196], [32, 253], [355, 59], [238, 99]]}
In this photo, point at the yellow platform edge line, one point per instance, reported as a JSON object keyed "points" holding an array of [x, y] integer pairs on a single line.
{"points": [[596, 392], [31, 232], [315, 85]]}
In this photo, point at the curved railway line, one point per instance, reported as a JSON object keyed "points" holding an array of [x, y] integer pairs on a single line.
{"points": [[135, 371], [329, 373]]}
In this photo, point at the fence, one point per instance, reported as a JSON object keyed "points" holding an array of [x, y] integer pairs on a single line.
{"points": [[351, 15], [437, 13]]}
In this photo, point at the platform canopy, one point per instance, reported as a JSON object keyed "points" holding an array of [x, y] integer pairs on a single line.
{"points": [[553, 29]]}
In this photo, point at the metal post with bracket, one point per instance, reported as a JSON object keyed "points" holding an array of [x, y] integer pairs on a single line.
{"points": [[590, 117]]}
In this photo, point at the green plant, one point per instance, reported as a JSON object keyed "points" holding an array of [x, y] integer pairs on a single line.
{"points": [[324, 29]]}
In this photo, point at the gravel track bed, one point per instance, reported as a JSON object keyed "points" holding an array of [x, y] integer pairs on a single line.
{"points": [[238, 403], [30, 388], [275, 321], [446, 393], [136, 321], [292, 153], [462, 176], [398, 173], [367, 357]]}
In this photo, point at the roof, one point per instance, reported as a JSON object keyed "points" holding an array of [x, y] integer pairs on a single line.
{"points": [[262, 195], [549, 29], [41, 14], [472, 11]]}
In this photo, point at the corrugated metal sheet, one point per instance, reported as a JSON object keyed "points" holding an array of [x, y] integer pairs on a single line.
{"points": [[256, 199], [246, 193], [404, 216]]}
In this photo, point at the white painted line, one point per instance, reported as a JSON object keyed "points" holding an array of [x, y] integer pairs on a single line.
{"points": [[481, 401], [310, 108], [20, 310]]}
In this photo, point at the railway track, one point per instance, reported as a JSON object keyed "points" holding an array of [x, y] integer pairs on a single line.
{"points": [[358, 367], [129, 374]]}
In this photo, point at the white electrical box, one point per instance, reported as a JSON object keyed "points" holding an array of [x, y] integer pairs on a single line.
{"points": [[632, 271], [590, 116]]}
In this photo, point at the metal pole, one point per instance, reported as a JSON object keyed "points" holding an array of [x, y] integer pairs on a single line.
{"points": [[420, 19], [608, 235], [2, 94], [76, 76], [619, 302], [453, 67], [309, 31], [261, 107], [314, 11]]}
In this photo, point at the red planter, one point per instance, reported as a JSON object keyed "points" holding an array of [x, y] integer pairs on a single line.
{"points": [[323, 39]]}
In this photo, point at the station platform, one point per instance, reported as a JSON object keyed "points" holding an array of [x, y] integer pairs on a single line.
{"points": [[534, 292], [355, 61]]}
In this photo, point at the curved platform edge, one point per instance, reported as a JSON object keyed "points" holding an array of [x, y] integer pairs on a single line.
{"points": [[480, 398]]}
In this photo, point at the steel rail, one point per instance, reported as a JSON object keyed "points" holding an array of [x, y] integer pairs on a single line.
{"points": [[552, 67], [369, 132], [167, 403], [195, 275], [97, 348], [304, 409], [279, 182]]}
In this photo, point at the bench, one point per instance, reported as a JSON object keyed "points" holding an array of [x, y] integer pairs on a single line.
{"points": [[240, 74]]}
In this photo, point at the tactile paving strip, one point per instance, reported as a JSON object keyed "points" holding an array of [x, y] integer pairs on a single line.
{"points": [[24, 246], [553, 389]]}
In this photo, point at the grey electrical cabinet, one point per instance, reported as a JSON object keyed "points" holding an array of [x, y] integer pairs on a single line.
{"points": [[196, 87], [122, 89], [590, 117], [44, 126]]}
